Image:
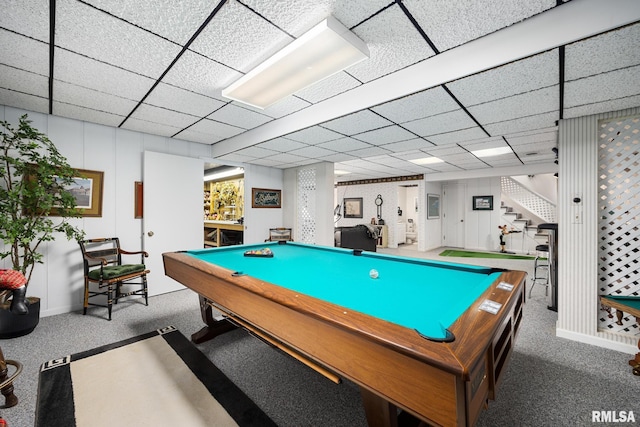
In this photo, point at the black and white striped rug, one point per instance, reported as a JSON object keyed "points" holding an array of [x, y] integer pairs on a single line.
{"points": [[159, 378]]}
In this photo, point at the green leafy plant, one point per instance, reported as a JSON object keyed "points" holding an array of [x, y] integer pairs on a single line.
{"points": [[35, 206]]}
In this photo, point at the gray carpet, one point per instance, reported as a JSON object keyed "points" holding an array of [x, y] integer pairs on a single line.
{"points": [[549, 382]]}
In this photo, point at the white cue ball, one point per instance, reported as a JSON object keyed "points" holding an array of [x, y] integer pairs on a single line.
{"points": [[373, 273]]}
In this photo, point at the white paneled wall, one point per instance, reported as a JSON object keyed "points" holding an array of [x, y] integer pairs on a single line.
{"points": [[578, 287], [117, 153]]}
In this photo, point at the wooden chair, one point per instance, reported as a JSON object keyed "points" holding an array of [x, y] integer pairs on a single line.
{"points": [[280, 234], [103, 266]]}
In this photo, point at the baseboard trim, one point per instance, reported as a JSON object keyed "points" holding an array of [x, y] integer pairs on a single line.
{"points": [[597, 341]]}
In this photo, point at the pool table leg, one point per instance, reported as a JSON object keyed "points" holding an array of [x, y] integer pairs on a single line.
{"points": [[214, 326], [380, 413], [635, 362]]}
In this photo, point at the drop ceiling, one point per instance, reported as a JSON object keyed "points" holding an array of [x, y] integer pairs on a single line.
{"points": [[444, 78]]}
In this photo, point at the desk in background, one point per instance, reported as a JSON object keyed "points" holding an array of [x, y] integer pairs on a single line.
{"points": [[388, 335], [222, 233]]}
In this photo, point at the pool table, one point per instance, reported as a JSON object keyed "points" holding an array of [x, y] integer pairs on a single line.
{"points": [[630, 304], [430, 338]]}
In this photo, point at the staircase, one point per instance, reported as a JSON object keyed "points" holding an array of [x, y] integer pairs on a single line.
{"points": [[525, 242], [529, 209]]}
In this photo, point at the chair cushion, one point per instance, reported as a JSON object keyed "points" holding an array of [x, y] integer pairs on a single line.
{"points": [[113, 271]]}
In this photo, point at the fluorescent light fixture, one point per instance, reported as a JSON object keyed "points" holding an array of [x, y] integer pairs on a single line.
{"points": [[426, 161], [223, 174], [488, 152], [340, 172], [326, 49]]}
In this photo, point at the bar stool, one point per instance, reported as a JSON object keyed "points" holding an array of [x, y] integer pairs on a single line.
{"points": [[541, 268]]}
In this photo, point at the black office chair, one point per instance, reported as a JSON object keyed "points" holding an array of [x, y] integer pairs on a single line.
{"points": [[103, 266]]}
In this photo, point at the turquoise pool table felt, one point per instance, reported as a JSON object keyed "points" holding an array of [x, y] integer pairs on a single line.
{"points": [[409, 292]]}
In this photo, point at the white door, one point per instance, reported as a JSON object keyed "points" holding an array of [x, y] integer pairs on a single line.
{"points": [[172, 218], [453, 215]]}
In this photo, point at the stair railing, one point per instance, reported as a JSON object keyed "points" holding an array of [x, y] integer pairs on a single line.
{"points": [[530, 200]]}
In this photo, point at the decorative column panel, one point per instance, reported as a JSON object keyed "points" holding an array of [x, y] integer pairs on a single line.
{"points": [[619, 216], [306, 206], [579, 284]]}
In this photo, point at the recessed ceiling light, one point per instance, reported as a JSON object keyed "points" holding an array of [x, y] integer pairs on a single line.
{"points": [[488, 152], [341, 172], [426, 161]]}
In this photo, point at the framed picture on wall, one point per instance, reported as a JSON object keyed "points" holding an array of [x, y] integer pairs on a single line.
{"points": [[433, 206], [266, 198], [482, 203], [86, 188], [353, 207]]}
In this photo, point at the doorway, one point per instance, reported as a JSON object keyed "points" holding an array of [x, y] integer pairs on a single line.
{"points": [[453, 215]]}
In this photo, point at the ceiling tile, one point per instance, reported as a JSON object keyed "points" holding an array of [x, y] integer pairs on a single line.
{"points": [[281, 144], [452, 23], [337, 157], [175, 98], [202, 137], [268, 162], [160, 115], [28, 17], [513, 107], [359, 122], [285, 158], [96, 34], [417, 106], [24, 53], [539, 121], [152, 128], [344, 144], [174, 20], [239, 116], [603, 53], [92, 99], [312, 152], [82, 71], [385, 135], [219, 40], [441, 123], [201, 75], [314, 135], [24, 81], [86, 114], [25, 101], [603, 87], [297, 17], [256, 152], [411, 144], [515, 78], [599, 107], [458, 136], [393, 44], [367, 152], [328, 87], [217, 130], [284, 107]]}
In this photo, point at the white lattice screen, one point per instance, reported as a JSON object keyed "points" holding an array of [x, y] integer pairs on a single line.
{"points": [[306, 206], [619, 215]]}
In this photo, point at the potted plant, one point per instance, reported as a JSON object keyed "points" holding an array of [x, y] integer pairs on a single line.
{"points": [[35, 207]]}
